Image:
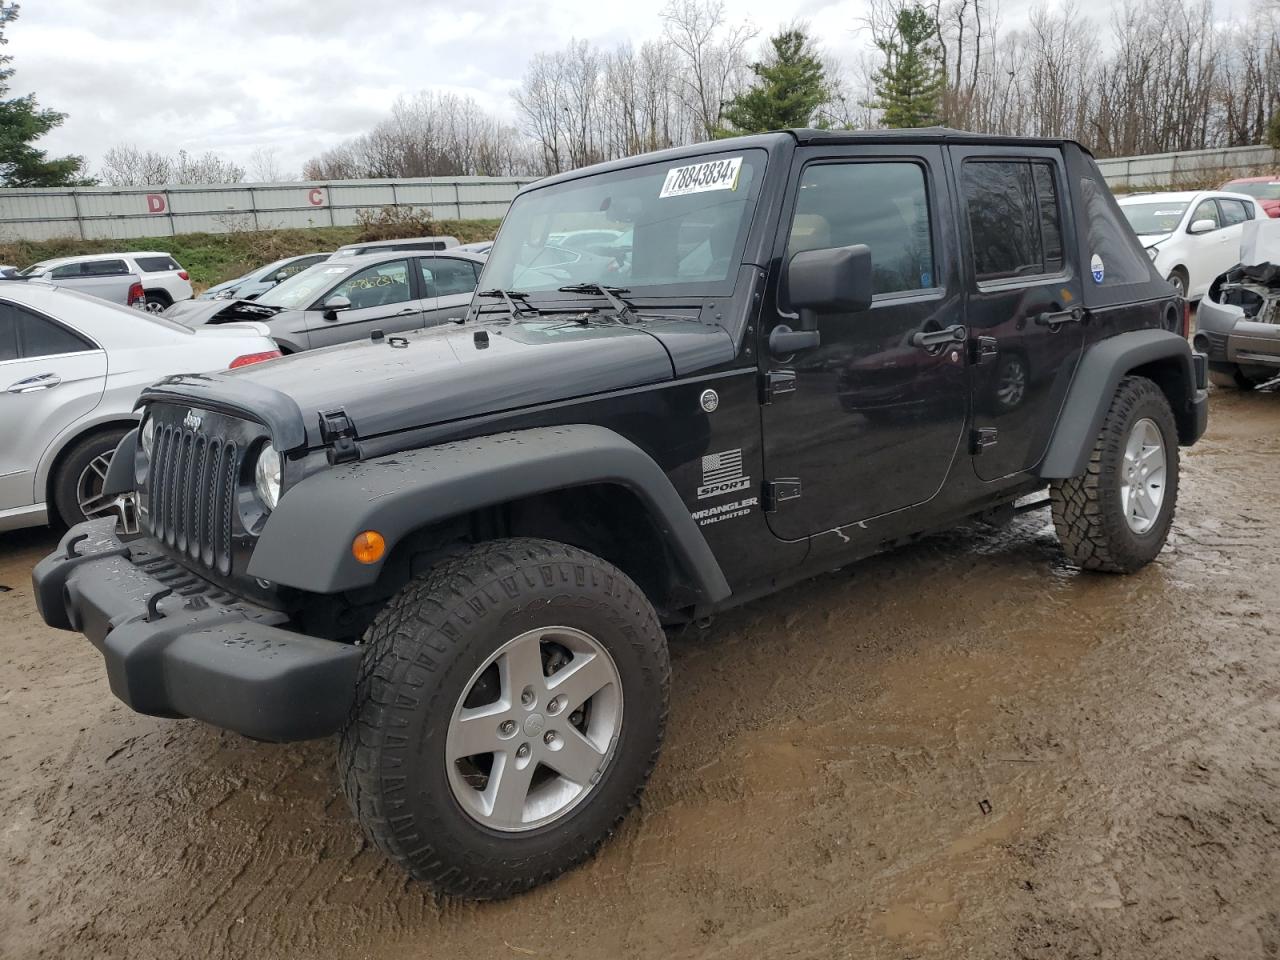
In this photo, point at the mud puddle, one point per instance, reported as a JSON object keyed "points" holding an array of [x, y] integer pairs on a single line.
{"points": [[963, 748]]}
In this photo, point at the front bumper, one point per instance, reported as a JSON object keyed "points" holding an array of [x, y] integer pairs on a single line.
{"points": [[1229, 337], [178, 646]]}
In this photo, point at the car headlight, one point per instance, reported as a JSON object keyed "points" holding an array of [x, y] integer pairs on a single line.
{"points": [[266, 474], [1153, 252], [148, 436]]}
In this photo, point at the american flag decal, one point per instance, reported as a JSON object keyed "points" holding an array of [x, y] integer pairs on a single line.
{"points": [[722, 473]]}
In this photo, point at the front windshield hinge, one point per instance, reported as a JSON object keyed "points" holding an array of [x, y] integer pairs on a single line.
{"points": [[338, 433]]}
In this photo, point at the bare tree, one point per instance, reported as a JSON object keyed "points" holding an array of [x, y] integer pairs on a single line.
{"points": [[713, 56], [264, 165], [127, 165]]}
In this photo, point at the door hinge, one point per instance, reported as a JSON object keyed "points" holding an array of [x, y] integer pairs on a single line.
{"points": [[776, 491], [776, 384], [983, 437], [338, 433], [983, 349]]}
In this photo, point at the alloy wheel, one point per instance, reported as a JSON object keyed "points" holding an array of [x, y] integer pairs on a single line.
{"points": [[95, 505], [1142, 481]]}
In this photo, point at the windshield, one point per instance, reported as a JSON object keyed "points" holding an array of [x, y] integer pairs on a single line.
{"points": [[664, 228], [1262, 191], [302, 289], [35, 269], [1147, 218]]}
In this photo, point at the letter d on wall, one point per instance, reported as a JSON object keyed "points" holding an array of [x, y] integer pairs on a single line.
{"points": [[155, 203]]}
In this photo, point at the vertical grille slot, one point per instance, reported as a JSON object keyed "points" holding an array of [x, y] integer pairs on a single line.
{"points": [[192, 487]]}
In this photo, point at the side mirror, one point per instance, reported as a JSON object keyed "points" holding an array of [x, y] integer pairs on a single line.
{"points": [[1202, 226], [835, 280], [334, 304], [281, 276]]}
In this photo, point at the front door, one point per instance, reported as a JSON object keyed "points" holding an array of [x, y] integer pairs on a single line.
{"points": [[1025, 314], [383, 297], [879, 407]]}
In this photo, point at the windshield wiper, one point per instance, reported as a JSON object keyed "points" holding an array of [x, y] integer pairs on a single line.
{"points": [[509, 297], [624, 309]]}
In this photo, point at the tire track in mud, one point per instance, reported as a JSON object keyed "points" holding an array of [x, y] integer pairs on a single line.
{"points": [[1028, 762]]}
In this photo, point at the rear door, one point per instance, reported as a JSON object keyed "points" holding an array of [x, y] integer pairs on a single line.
{"points": [[1024, 290], [383, 297], [50, 376], [448, 284], [109, 279]]}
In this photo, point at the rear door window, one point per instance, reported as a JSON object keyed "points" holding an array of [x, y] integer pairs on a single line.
{"points": [[1015, 220], [447, 276], [103, 268], [38, 336], [8, 333], [1233, 212]]}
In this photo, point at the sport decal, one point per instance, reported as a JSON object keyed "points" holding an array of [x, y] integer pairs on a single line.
{"points": [[722, 473]]}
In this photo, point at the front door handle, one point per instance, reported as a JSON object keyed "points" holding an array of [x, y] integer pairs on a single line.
{"points": [[928, 339], [41, 381], [405, 312], [1055, 317]]}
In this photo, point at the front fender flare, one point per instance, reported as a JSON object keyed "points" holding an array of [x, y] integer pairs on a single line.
{"points": [[1101, 369], [307, 540]]}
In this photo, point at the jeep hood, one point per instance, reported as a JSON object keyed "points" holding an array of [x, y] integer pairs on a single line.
{"points": [[451, 372]]}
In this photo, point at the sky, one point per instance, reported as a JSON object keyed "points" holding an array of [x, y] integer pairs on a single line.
{"points": [[299, 77]]}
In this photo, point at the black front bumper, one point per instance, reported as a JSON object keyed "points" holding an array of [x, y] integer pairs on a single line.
{"points": [[175, 645]]}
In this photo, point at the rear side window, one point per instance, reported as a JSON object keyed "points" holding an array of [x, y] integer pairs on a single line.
{"points": [[1015, 223], [103, 268], [30, 336], [156, 264], [1114, 254]]}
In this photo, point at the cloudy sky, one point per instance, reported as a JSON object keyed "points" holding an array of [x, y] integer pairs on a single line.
{"points": [[234, 75]]}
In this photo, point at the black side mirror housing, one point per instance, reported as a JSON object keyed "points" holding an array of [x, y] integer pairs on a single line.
{"points": [[834, 280]]}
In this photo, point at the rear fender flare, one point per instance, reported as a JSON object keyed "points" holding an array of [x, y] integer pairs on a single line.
{"points": [[306, 542]]}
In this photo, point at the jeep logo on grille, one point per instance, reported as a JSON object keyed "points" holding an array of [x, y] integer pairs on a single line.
{"points": [[191, 421]]}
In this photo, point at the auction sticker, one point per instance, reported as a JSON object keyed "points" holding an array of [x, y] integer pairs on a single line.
{"points": [[701, 177]]}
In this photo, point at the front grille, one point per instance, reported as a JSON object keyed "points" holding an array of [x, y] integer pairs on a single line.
{"points": [[192, 494]]}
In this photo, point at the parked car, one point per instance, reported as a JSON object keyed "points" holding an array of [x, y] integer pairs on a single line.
{"points": [[71, 369], [350, 297], [1265, 190], [257, 282], [457, 548], [1238, 323], [8, 272], [1191, 237], [383, 246], [163, 280], [481, 247]]}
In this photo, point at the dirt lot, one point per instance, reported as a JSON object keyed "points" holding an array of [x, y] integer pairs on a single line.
{"points": [[962, 749]]}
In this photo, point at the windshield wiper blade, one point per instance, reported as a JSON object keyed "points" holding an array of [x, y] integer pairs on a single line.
{"points": [[509, 297], [624, 309]]}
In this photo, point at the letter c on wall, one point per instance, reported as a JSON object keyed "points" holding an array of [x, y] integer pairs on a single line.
{"points": [[315, 197]]}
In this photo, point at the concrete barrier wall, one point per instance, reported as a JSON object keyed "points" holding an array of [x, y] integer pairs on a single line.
{"points": [[119, 213], [1165, 169]]}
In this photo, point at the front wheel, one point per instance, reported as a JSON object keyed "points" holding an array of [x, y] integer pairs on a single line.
{"points": [[79, 479], [1116, 517], [510, 709]]}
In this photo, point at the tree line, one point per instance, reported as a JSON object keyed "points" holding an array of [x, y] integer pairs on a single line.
{"points": [[1149, 76]]}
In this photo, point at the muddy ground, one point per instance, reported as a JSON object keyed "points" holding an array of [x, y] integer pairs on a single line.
{"points": [[963, 749]]}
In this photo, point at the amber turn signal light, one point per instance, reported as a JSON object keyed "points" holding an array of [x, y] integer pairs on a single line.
{"points": [[369, 546]]}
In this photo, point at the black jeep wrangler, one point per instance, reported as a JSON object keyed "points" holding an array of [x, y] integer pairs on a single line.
{"points": [[687, 380]]}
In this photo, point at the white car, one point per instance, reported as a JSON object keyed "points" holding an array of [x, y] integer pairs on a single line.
{"points": [[1192, 237], [164, 282], [71, 368]]}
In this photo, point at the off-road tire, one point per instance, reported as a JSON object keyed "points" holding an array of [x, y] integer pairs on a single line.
{"points": [[1087, 511], [422, 650], [71, 464]]}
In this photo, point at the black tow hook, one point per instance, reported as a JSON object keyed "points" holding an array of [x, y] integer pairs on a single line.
{"points": [[74, 542], [153, 604]]}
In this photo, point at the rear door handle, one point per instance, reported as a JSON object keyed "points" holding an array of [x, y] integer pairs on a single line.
{"points": [[955, 333], [1053, 318], [41, 381]]}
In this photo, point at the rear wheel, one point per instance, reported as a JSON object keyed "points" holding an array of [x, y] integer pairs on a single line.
{"points": [[157, 302], [510, 709], [78, 482], [1116, 516]]}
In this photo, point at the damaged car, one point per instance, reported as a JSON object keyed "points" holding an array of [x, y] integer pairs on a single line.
{"points": [[1238, 323], [349, 298]]}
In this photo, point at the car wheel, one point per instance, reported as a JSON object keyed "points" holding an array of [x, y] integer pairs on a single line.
{"points": [[1116, 516], [510, 709], [78, 482], [156, 303], [1178, 278]]}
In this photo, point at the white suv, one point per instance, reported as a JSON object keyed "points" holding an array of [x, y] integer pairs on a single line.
{"points": [[164, 282]]}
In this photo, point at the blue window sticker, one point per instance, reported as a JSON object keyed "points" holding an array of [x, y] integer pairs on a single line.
{"points": [[926, 279], [1096, 268]]}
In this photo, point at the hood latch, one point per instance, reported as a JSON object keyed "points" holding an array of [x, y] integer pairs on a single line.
{"points": [[338, 433]]}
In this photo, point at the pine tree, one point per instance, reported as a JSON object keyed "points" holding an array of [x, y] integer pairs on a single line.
{"points": [[909, 86], [21, 123], [788, 90]]}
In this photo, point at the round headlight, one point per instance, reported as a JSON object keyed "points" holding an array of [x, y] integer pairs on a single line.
{"points": [[148, 436], [266, 474]]}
